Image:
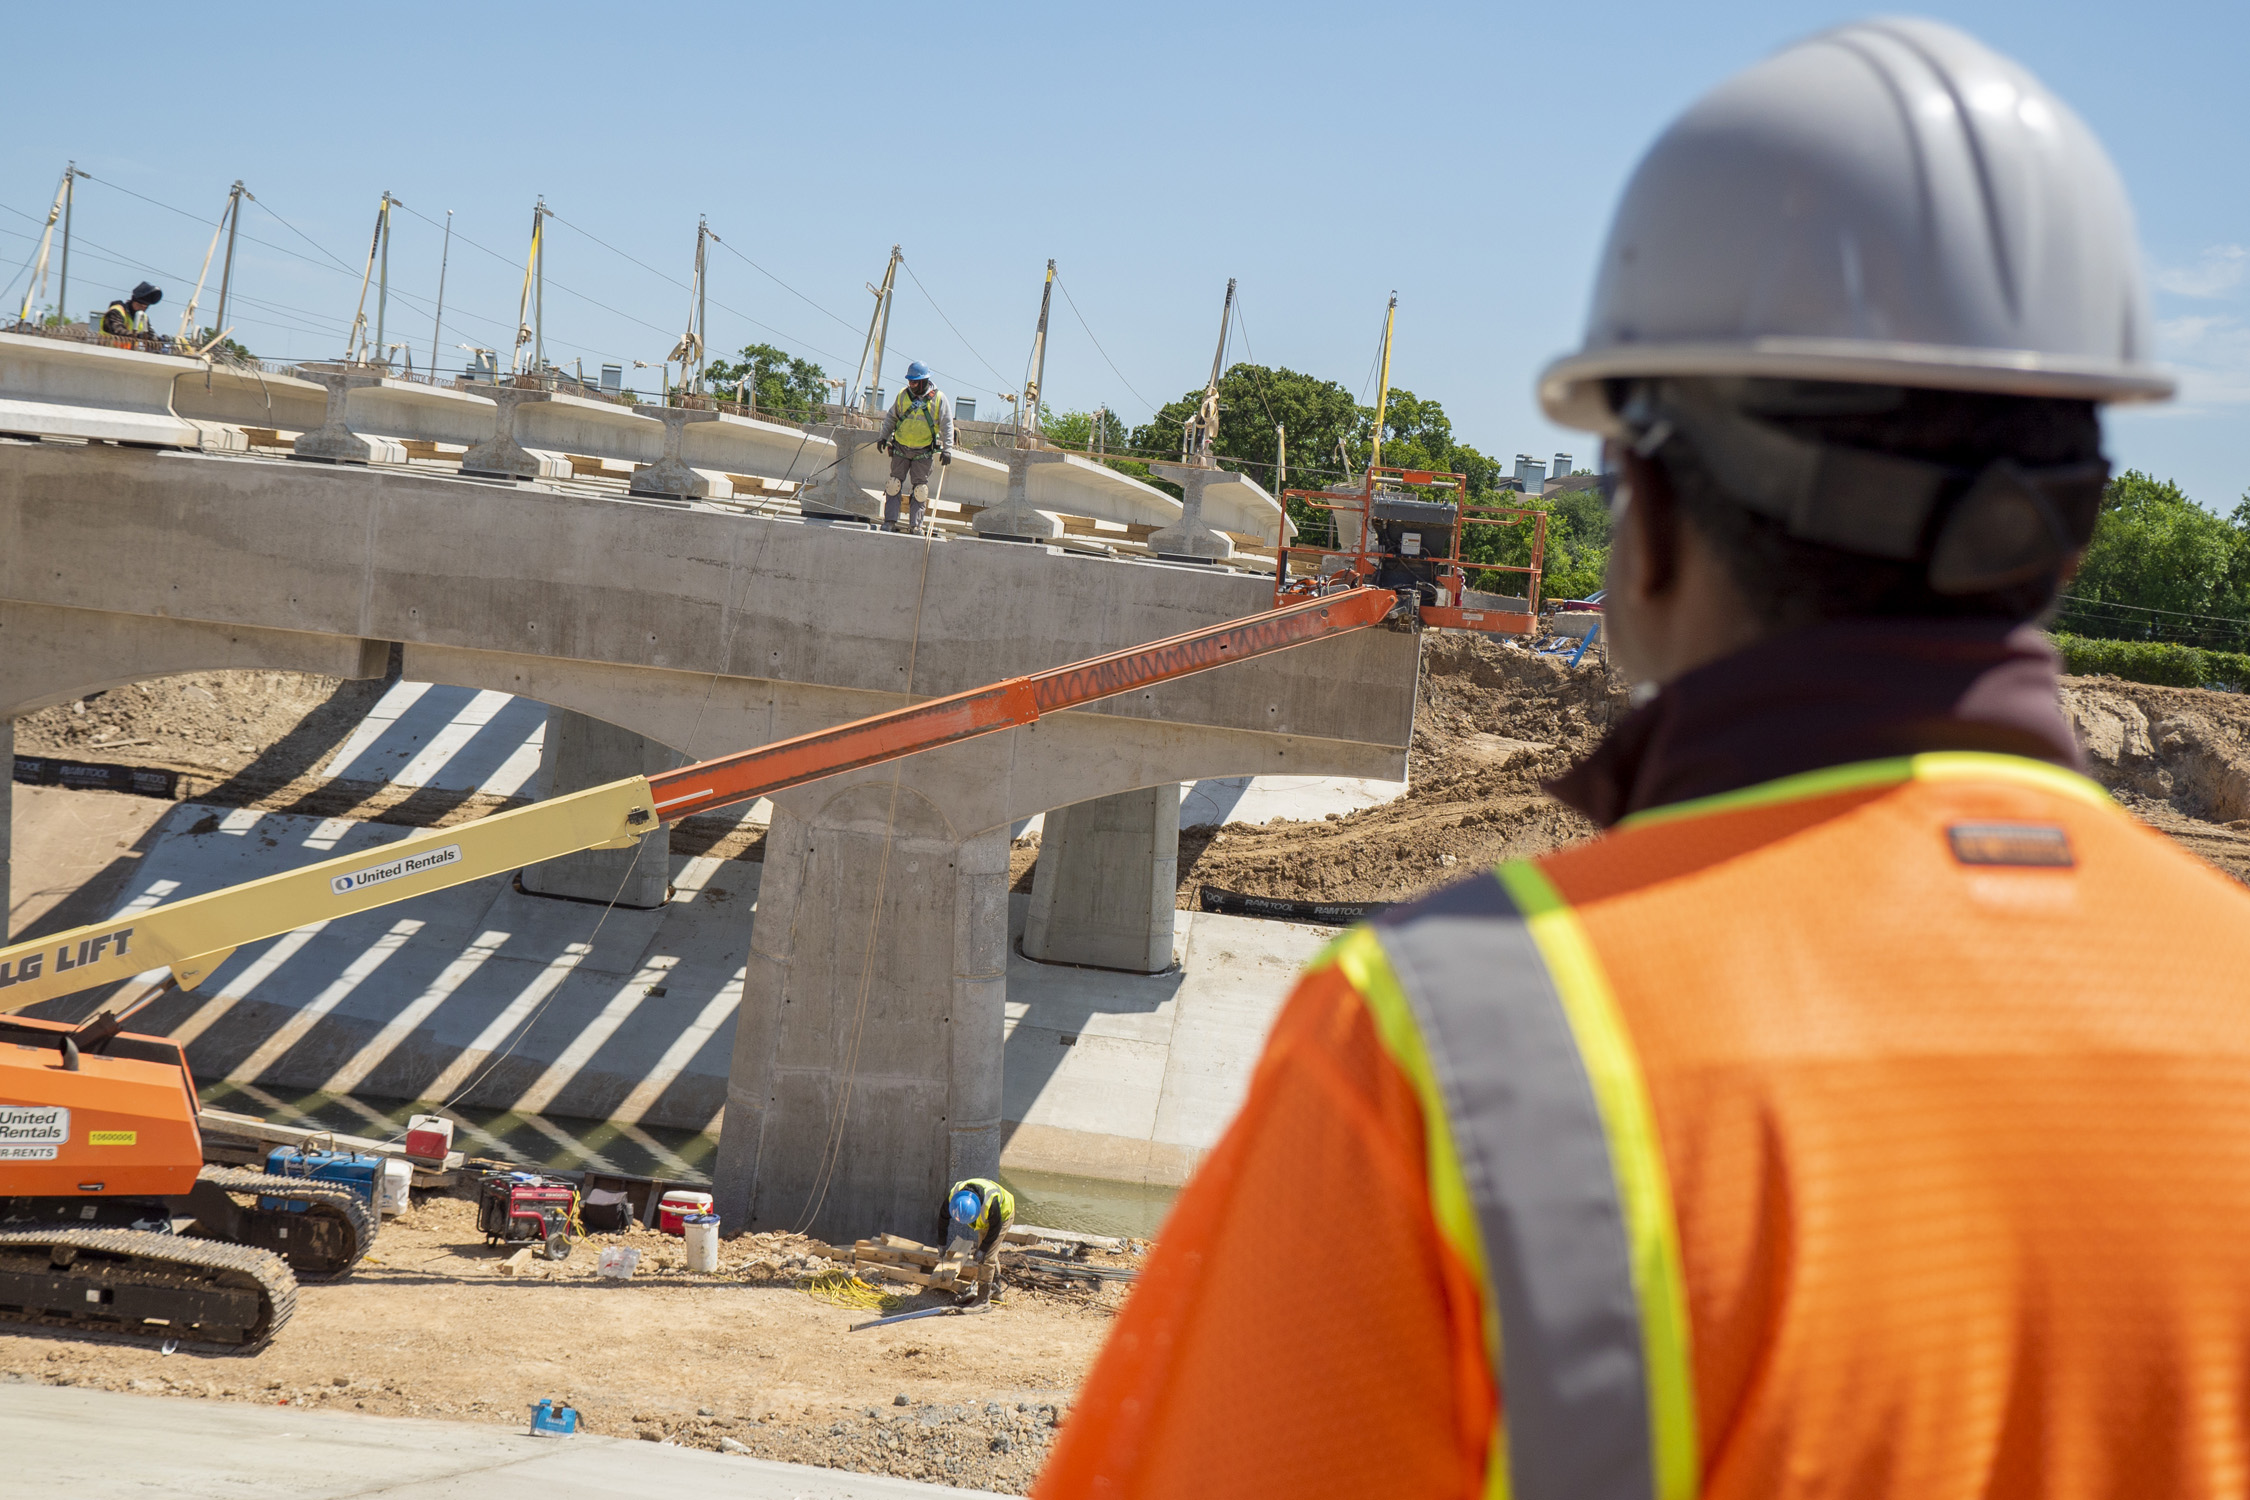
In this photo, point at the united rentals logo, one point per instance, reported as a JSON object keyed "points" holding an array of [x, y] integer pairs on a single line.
{"points": [[34, 1125], [412, 864]]}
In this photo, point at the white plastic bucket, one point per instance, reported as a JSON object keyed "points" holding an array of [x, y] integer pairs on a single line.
{"points": [[702, 1232], [617, 1262], [393, 1184]]}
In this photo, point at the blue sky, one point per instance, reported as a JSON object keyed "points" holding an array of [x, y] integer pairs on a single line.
{"points": [[1466, 156]]}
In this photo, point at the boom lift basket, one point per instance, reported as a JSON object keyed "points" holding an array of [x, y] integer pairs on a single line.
{"points": [[1407, 530]]}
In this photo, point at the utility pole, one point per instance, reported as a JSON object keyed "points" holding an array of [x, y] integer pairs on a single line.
{"points": [[1280, 459], [878, 327], [383, 292], [1383, 388], [235, 195], [1027, 410], [1101, 430], [445, 258], [532, 300], [1196, 447], [539, 302], [71, 174], [690, 349], [38, 282]]}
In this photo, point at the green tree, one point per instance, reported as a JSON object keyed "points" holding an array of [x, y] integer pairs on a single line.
{"points": [[782, 384], [1076, 430], [2158, 561], [204, 336], [1316, 414]]}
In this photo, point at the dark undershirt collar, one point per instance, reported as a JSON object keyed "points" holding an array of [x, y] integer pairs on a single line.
{"points": [[1828, 695]]}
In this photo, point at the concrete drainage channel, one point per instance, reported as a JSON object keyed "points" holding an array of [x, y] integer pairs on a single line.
{"points": [[559, 1143]]}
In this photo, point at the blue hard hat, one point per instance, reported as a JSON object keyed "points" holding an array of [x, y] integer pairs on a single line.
{"points": [[967, 1205], [917, 371]]}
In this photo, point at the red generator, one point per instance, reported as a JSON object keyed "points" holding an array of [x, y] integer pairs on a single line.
{"points": [[515, 1208]]}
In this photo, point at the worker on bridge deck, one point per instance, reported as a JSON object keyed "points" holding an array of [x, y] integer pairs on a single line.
{"points": [[1867, 1111], [127, 317], [918, 426], [976, 1215]]}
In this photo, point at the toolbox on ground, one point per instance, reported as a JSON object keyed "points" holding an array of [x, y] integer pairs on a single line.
{"points": [[529, 1207], [355, 1170]]}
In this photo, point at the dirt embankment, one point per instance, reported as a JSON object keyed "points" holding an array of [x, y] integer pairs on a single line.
{"points": [[2178, 758], [739, 1361], [1492, 723], [1495, 721]]}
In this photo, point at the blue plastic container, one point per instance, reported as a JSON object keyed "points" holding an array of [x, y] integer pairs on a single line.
{"points": [[550, 1420], [343, 1168]]}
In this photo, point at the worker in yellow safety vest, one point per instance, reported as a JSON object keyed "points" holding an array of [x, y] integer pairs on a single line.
{"points": [[1866, 1111], [976, 1214], [127, 317], [917, 428]]}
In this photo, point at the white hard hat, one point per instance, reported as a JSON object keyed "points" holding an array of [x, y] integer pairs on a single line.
{"points": [[1889, 202]]}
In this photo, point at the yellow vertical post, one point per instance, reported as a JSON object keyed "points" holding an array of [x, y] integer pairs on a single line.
{"points": [[1383, 386]]}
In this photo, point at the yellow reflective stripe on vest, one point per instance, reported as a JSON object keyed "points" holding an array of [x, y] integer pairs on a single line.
{"points": [[1548, 1136], [1360, 956], [1637, 1157], [1830, 781]]}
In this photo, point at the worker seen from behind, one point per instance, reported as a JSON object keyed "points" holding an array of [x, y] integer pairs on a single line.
{"points": [[127, 317], [918, 426], [1866, 1112], [976, 1215]]}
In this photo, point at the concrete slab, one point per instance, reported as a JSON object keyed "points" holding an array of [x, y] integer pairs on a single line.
{"points": [[1218, 800], [108, 1444], [452, 738], [1221, 800], [1133, 1077]]}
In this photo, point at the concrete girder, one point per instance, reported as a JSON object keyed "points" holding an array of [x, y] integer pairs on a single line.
{"points": [[50, 655], [224, 395], [62, 388], [388, 555]]}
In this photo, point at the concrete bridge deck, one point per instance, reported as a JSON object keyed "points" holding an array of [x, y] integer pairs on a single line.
{"points": [[866, 1061]]}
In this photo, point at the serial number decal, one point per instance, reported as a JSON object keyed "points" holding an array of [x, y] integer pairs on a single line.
{"points": [[33, 1125], [412, 864], [112, 1137]]}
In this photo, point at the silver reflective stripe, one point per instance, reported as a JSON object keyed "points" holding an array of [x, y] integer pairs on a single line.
{"points": [[1573, 1379]]}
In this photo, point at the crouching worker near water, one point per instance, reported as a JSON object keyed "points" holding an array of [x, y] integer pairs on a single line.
{"points": [[1866, 1112], [976, 1214]]}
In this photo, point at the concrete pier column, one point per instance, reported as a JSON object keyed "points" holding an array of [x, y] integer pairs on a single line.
{"points": [[334, 441], [1103, 889], [500, 456], [839, 493], [867, 1051], [578, 753], [670, 477], [1192, 540], [1015, 519]]}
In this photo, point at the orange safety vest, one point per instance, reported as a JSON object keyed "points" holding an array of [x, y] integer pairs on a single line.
{"points": [[1880, 1131]]}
